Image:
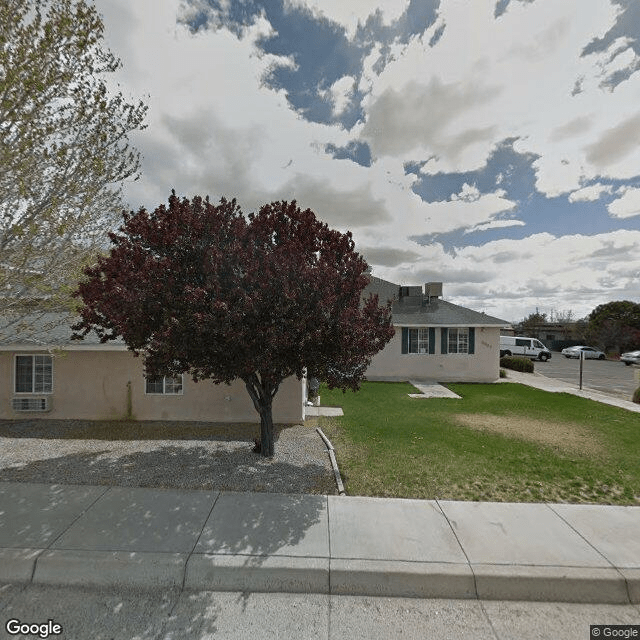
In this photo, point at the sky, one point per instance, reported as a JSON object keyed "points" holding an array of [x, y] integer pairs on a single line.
{"points": [[492, 145]]}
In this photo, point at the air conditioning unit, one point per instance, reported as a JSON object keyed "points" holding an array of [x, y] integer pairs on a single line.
{"points": [[30, 404], [433, 289]]}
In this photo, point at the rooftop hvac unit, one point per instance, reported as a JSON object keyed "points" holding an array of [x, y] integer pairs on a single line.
{"points": [[30, 404], [410, 292], [433, 289]]}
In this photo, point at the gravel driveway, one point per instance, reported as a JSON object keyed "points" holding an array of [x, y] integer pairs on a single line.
{"points": [[163, 454]]}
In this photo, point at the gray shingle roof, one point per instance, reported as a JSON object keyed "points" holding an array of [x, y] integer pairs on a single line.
{"points": [[417, 311], [45, 329], [443, 313], [53, 329], [386, 290]]}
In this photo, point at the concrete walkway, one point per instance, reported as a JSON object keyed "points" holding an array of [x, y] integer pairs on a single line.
{"points": [[539, 381], [431, 389], [263, 542]]}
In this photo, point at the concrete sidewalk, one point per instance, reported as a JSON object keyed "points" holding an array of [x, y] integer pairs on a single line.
{"points": [[264, 542], [539, 381]]}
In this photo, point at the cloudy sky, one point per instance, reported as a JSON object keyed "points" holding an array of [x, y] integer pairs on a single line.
{"points": [[493, 145]]}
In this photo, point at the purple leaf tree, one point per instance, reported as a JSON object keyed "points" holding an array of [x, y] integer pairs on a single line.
{"points": [[202, 289]]}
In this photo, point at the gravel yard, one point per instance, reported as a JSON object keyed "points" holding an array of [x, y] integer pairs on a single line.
{"points": [[173, 455]]}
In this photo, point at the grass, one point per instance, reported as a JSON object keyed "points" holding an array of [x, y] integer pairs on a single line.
{"points": [[501, 442]]}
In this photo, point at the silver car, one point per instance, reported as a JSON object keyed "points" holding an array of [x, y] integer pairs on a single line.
{"points": [[589, 353], [631, 357]]}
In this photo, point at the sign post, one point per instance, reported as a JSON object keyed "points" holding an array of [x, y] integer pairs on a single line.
{"points": [[581, 361]]}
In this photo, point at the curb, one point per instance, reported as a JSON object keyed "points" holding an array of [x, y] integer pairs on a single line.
{"points": [[334, 462], [289, 574]]}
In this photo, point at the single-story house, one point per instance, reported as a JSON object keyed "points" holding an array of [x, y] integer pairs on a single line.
{"points": [[45, 374], [435, 339]]}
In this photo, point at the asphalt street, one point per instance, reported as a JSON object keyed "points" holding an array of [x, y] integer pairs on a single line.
{"points": [[173, 615], [607, 376]]}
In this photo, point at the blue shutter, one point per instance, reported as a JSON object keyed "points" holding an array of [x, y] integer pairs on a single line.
{"points": [[444, 340], [405, 340], [432, 340], [472, 339]]}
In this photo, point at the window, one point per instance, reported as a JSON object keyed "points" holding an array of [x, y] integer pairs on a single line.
{"points": [[418, 340], [34, 374], [458, 340], [164, 386]]}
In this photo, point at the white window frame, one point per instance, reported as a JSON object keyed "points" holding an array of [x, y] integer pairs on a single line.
{"points": [[33, 374], [164, 391], [461, 346], [422, 341]]}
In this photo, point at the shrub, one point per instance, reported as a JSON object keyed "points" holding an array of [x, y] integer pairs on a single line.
{"points": [[517, 364], [503, 373], [636, 396]]}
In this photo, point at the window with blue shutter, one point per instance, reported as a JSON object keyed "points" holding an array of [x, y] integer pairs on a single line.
{"points": [[459, 340], [419, 340]]}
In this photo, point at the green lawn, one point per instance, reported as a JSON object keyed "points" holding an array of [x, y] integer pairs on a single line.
{"points": [[501, 442]]}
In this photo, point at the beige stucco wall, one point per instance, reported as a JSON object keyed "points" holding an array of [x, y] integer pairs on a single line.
{"points": [[481, 366], [92, 385]]}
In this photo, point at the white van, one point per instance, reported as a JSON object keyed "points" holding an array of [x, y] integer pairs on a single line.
{"points": [[521, 346]]}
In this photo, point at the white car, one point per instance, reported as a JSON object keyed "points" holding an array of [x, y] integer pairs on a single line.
{"points": [[631, 357], [589, 353]]}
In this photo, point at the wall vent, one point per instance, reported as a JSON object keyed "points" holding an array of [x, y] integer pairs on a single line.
{"points": [[30, 404]]}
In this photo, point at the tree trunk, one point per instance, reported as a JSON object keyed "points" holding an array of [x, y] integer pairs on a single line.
{"points": [[266, 431], [262, 396]]}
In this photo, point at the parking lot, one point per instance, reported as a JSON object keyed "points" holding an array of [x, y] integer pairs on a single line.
{"points": [[607, 376]]}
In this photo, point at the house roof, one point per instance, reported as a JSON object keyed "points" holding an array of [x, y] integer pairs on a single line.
{"points": [[423, 311], [386, 290], [48, 330], [441, 313]]}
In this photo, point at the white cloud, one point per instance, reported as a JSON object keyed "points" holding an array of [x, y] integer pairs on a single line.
{"points": [[215, 128], [341, 93], [627, 206], [349, 13], [497, 224], [469, 193], [516, 79], [466, 210], [514, 277], [590, 193]]}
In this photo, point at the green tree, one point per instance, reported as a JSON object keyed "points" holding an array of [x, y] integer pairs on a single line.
{"points": [[64, 147], [615, 326], [530, 326]]}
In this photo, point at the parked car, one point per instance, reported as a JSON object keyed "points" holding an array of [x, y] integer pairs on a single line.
{"points": [[523, 346], [589, 353], [631, 357]]}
